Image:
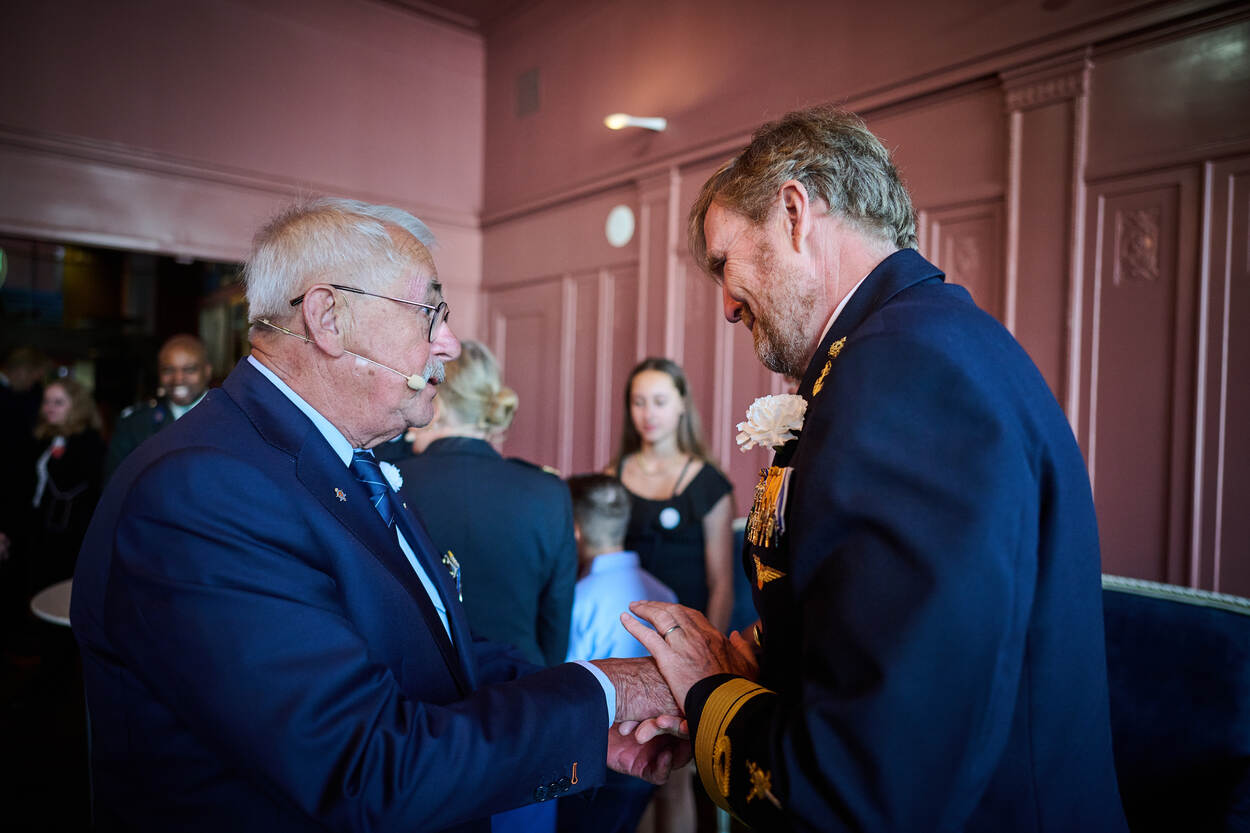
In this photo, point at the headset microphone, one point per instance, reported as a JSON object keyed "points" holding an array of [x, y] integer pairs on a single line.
{"points": [[415, 381]]}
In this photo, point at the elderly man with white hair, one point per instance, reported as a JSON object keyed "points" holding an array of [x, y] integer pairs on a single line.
{"points": [[270, 641]]}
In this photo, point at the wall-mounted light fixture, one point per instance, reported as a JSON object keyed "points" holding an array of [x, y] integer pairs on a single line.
{"points": [[618, 121]]}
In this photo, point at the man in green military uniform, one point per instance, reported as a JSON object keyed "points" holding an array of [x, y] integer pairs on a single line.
{"points": [[184, 373]]}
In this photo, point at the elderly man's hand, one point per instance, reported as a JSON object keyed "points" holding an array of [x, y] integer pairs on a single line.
{"points": [[640, 688], [687, 647], [651, 760]]}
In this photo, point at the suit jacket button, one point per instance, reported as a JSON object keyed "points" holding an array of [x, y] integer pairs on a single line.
{"points": [[563, 785], [540, 793]]}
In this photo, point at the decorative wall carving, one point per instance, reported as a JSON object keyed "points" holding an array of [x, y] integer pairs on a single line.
{"points": [[966, 242], [1057, 78], [1069, 85], [1137, 245]]}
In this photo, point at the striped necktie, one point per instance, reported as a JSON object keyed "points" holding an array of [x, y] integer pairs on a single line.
{"points": [[367, 470]]}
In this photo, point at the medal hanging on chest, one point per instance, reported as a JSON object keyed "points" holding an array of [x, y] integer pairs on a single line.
{"points": [[767, 519]]}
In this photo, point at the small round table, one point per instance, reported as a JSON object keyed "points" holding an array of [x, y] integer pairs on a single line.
{"points": [[52, 603]]}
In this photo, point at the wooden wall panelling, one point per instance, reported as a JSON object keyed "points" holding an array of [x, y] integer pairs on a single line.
{"points": [[966, 243], [622, 343], [1221, 536], [584, 353], [703, 354], [529, 333], [657, 296], [1137, 368], [1172, 96], [1046, 166]]}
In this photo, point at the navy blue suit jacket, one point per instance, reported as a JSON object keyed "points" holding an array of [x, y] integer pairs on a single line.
{"points": [[259, 655], [510, 524], [932, 619]]}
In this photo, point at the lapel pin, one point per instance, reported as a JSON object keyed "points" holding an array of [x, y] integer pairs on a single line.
{"points": [[340, 494], [834, 350], [453, 569]]}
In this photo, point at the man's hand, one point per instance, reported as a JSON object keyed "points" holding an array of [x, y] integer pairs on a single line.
{"points": [[686, 646], [640, 688], [652, 760]]}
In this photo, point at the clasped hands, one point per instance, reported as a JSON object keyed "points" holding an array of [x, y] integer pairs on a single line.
{"points": [[650, 737]]}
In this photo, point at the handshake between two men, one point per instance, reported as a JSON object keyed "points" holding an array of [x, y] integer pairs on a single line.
{"points": [[651, 735]]}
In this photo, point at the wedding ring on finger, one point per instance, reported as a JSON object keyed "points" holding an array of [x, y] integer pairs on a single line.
{"points": [[670, 630]]}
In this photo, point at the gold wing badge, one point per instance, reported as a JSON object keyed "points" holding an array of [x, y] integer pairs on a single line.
{"points": [[765, 573], [834, 350]]}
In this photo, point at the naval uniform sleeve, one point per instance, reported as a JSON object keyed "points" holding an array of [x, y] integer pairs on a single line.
{"points": [[731, 756]]}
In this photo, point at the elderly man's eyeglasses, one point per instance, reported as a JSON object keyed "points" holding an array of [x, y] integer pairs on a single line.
{"points": [[438, 314]]}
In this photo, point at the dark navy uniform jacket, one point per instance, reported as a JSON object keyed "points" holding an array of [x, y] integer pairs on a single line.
{"points": [[933, 652], [510, 526], [134, 425], [259, 655]]}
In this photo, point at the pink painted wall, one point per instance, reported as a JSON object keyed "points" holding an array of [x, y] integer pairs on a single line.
{"points": [[177, 127], [1081, 166], [717, 68], [1052, 149]]}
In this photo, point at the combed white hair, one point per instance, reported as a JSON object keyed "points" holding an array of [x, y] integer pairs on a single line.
{"points": [[325, 239]]}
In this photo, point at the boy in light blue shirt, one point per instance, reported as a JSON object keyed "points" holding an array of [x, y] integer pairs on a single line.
{"points": [[611, 578]]}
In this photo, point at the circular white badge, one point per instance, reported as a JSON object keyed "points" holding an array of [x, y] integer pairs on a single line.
{"points": [[619, 227], [669, 517]]}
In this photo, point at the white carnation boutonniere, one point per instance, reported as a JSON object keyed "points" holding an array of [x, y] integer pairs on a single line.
{"points": [[392, 474], [771, 421]]}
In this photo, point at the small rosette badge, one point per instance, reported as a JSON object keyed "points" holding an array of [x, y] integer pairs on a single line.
{"points": [[771, 421]]}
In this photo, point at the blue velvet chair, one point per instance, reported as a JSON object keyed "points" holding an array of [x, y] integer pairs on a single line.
{"points": [[1178, 664]]}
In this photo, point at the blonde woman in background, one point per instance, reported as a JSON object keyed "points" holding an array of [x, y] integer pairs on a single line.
{"points": [[503, 525], [508, 523]]}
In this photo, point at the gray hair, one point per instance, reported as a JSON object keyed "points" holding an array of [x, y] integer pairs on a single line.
{"points": [[324, 239], [473, 391], [600, 509], [836, 158]]}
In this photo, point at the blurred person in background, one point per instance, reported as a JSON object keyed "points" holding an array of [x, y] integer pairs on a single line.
{"points": [[184, 373], [506, 522], [504, 527], [67, 479], [681, 509], [21, 392], [611, 578]]}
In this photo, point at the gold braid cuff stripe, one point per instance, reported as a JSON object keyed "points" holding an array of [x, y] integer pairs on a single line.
{"points": [[718, 712]]}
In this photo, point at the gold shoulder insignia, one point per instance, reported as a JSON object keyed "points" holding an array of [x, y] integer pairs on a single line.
{"points": [[834, 350], [761, 784], [765, 573]]}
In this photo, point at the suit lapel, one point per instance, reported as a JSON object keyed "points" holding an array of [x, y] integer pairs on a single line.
{"points": [[334, 486], [423, 547]]}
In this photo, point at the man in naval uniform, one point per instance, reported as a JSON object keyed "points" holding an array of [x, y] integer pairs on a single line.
{"points": [[923, 551], [184, 372]]}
